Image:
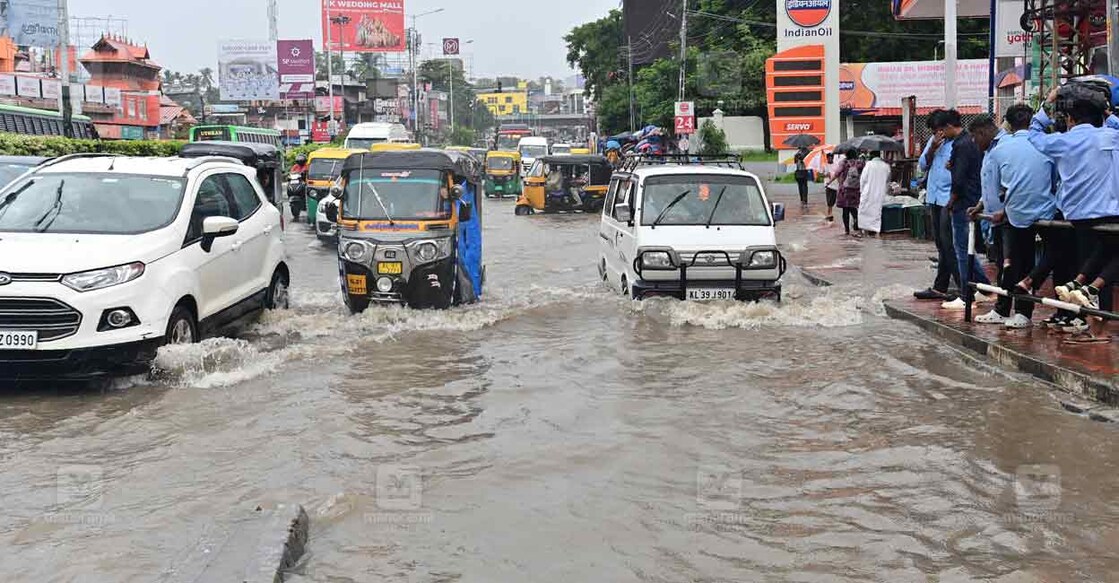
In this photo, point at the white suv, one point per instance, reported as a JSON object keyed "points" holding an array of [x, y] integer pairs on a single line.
{"points": [[674, 228], [103, 259]]}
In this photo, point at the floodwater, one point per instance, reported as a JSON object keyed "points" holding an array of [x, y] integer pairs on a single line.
{"points": [[557, 432]]}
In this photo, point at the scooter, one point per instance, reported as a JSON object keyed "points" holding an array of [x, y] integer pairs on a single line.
{"points": [[297, 194]]}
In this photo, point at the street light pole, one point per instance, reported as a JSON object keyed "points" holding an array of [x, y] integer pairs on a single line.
{"points": [[415, 38], [64, 44], [330, 70]]}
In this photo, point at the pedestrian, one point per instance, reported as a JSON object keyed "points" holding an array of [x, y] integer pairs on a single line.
{"points": [[965, 165], [1022, 181], [848, 199], [831, 188], [874, 186], [987, 135], [801, 175], [1087, 160], [938, 189]]}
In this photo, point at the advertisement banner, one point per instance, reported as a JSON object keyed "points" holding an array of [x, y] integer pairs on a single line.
{"points": [[7, 84], [1011, 39], [864, 86], [322, 104], [28, 87], [320, 132], [296, 64], [247, 70], [33, 22], [364, 26]]}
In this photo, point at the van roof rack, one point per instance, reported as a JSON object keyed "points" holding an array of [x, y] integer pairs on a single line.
{"points": [[634, 161]]}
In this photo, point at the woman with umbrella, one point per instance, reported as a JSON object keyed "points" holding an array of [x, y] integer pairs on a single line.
{"points": [[849, 189], [801, 142]]}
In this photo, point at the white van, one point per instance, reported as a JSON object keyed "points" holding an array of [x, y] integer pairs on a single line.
{"points": [[690, 231], [531, 148], [363, 135]]}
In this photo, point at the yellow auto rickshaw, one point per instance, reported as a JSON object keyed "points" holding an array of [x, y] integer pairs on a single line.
{"points": [[323, 168], [394, 147], [580, 151], [565, 184], [503, 174]]}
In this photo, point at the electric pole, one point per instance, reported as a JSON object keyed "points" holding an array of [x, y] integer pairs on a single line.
{"points": [[629, 77], [64, 57], [683, 47]]}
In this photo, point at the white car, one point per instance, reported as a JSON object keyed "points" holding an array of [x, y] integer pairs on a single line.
{"points": [[325, 228], [107, 258], [690, 231]]}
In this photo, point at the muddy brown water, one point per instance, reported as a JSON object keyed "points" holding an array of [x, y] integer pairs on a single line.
{"points": [[556, 432]]}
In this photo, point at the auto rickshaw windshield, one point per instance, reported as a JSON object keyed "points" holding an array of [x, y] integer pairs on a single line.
{"points": [[499, 163], [325, 168], [404, 195]]}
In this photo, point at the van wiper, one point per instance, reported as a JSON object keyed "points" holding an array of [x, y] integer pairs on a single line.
{"points": [[679, 197], [53, 212], [711, 217], [382, 203]]}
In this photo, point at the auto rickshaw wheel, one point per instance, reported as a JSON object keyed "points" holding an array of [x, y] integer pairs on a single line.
{"points": [[521, 210]]}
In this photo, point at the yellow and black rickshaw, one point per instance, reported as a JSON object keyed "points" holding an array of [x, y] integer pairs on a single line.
{"points": [[410, 229], [565, 184], [503, 174]]}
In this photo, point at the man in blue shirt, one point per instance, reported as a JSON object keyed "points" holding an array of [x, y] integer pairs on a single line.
{"points": [[1020, 181], [1087, 159], [987, 134], [938, 189], [965, 164]]}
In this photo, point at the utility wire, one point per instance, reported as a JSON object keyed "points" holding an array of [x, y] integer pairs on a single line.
{"points": [[870, 33]]}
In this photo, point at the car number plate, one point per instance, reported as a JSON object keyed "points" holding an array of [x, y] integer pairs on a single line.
{"points": [[390, 268], [356, 285], [708, 294], [12, 340]]}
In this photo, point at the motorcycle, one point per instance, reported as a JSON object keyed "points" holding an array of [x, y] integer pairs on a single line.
{"points": [[297, 194]]}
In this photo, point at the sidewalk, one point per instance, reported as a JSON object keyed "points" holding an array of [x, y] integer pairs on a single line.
{"points": [[822, 252]]}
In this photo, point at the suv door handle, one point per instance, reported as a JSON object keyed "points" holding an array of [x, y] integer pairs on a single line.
{"points": [[268, 230]]}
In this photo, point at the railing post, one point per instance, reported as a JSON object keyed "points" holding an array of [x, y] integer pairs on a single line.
{"points": [[969, 294]]}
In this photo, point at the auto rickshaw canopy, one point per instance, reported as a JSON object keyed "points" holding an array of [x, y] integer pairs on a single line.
{"points": [[601, 171], [461, 164]]}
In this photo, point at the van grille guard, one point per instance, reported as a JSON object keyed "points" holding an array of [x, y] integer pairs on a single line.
{"points": [[712, 258]]}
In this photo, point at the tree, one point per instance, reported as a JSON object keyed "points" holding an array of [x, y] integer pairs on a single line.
{"points": [[206, 78], [595, 49], [713, 140], [336, 61], [440, 73]]}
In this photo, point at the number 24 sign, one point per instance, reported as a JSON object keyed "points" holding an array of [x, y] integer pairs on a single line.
{"points": [[685, 117]]}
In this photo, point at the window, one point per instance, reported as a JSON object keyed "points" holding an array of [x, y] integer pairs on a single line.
{"points": [[212, 201], [244, 195], [131, 108], [516, 109], [491, 100], [501, 108], [611, 193], [508, 100], [625, 196]]}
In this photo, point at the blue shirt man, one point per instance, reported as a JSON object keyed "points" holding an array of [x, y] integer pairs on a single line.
{"points": [[1026, 175], [938, 188], [990, 198], [1086, 158]]}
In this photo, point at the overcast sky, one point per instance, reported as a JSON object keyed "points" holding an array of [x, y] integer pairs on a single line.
{"points": [[511, 37]]}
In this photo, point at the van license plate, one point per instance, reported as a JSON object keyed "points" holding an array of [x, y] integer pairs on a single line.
{"points": [[709, 294], [12, 340], [390, 268], [355, 284]]}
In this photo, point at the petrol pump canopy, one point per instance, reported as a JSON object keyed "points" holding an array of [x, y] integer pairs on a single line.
{"points": [[934, 9], [463, 165]]}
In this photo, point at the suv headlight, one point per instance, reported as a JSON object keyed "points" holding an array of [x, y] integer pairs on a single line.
{"points": [[102, 278], [355, 251], [763, 259], [429, 250], [656, 260]]}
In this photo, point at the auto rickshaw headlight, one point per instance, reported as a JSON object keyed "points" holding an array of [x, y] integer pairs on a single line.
{"points": [[427, 251], [384, 285], [356, 251]]}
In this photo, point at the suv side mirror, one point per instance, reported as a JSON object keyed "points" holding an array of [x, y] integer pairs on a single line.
{"points": [[216, 227], [778, 212], [465, 212], [623, 212]]}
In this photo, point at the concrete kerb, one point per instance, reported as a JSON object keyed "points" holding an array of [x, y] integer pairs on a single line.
{"points": [[262, 546], [1103, 395]]}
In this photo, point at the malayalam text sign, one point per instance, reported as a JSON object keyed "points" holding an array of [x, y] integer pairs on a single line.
{"points": [[34, 22], [363, 26]]}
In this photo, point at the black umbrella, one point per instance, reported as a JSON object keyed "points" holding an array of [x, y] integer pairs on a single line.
{"points": [[801, 141], [872, 143]]}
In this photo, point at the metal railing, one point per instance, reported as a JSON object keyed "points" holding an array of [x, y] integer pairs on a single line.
{"points": [[1074, 309]]}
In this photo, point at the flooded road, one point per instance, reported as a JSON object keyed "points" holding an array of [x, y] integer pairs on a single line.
{"points": [[557, 432]]}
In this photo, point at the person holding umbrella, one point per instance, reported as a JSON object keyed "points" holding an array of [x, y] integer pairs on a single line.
{"points": [[802, 142]]}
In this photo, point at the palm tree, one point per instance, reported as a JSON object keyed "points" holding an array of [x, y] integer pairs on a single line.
{"points": [[206, 77]]}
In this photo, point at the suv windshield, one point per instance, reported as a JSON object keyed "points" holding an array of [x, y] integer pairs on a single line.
{"points": [[496, 163], [739, 201], [325, 168], [405, 194], [534, 151], [112, 204]]}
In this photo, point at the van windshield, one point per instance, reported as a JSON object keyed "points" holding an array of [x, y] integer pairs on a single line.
{"points": [[110, 204], [405, 194], [697, 199], [363, 143], [534, 151], [325, 168]]}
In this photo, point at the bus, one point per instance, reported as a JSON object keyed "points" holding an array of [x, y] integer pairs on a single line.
{"points": [[43, 122], [509, 136], [213, 133]]}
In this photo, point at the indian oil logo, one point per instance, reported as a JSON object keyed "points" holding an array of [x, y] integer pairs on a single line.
{"points": [[808, 13]]}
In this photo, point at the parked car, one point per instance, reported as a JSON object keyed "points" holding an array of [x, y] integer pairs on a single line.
{"points": [[694, 231], [107, 258]]}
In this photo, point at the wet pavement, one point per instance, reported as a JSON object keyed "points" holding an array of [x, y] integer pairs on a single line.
{"points": [[557, 431]]}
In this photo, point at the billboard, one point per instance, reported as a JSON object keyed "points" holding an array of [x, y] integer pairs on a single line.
{"points": [[28, 87], [1011, 40], [363, 26], [7, 84], [864, 86], [295, 61], [247, 70], [802, 79], [33, 22]]}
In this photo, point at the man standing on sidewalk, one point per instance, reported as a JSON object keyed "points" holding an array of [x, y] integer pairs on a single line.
{"points": [[1025, 178], [938, 189], [965, 165]]}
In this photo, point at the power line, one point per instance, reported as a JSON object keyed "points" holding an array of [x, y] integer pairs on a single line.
{"points": [[870, 33]]}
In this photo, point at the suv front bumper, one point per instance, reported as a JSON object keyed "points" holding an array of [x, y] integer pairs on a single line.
{"points": [[749, 283], [80, 363]]}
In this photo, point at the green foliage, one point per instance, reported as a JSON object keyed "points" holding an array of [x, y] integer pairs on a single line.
{"points": [[291, 153], [21, 145], [595, 49], [468, 112], [759, 156], [713, 140], [463, 136]]}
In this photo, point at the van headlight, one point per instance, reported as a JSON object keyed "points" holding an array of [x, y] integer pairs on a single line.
{"points": [[763, 260], [657, 260], [355, 251], [429, 250], [102, 278]]}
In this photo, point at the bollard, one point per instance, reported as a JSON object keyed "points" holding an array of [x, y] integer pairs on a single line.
{"points": [[969, 294]]}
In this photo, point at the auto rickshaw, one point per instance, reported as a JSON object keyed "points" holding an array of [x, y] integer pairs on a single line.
{"points": [[410, 229], [394, 147], [503, 174], [565, 183], [265, 158], [323, 168]]}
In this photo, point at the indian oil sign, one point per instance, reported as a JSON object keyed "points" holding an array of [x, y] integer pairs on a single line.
{"points": [[809, 16]]}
